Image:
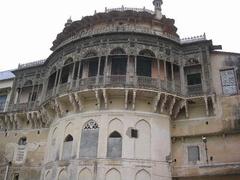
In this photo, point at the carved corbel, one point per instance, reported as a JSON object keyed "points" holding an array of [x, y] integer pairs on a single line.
{"points": [[79, 101], [206, 105], [58, 107], [134, 99], [126, 99], [179, 106], [163, 103], [214, 102], [156, 101], [186, 108], [172, 105], [73, 101], [105, 96], [14, 123], [98, 99], [30, 119]]}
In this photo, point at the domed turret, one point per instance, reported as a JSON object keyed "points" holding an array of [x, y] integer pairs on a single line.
{"points": [[69, 22], [158, 8]]}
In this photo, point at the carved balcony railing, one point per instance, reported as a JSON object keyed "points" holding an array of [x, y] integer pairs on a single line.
{"points": [[123, 81], [29, 106], [63, 88], [195, 90]]}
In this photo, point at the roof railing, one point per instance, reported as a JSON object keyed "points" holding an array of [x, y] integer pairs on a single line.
{"points": [[194, 39], [121, 9], [31, 64]]}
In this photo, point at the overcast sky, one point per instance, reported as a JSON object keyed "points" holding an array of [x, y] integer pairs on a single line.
{"points": [[28, 27]]}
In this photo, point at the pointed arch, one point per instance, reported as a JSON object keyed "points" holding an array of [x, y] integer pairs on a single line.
{"points": [[143, 142], [28, 83], [90, 53], [114, 147], [115, 125], [117, 51], [143, 175], [63, 175], [68, 128], [89, 139], [53, 150], [68, 61], [147, 53], [47, 176], [113, 174], [85, 174]]}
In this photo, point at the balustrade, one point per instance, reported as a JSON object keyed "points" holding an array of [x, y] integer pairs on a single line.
{"points": [[194, 90]]}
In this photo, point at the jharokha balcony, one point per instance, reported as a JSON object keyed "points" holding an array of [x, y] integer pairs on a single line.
{"points": [[118, 81]]}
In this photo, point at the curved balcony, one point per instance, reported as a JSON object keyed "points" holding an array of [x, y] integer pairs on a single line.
{"points": [[116, 81], [29, 106]]}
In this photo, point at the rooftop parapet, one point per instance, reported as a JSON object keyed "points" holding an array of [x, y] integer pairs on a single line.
{"points": [[122, 9], [31, 64], [193, 39]]}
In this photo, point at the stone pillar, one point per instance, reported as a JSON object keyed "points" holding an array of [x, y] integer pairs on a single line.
{"points": [[98, 70], [165, 74], [173, 79], [106, 70], [19, 94], [78, 74], [159, 74], [182, 79], [72, 76], [58, 81]]}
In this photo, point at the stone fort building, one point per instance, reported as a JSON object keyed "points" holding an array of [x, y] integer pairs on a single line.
{"points": [[122, 97]]}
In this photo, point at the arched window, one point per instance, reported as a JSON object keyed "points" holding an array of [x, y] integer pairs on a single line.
{"points": [[114, 149], [67, 147], [52, 78], [143, 142], [144, 63], [67, 71], [90, 54], [119, 61], [22, 141], [89, 140]]}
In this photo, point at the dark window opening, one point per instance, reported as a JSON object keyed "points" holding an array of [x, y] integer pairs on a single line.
{"points": [[51, 81], [69, 138], [34, 96], [93, 68], [134, 133], [114, 149], [115, 134], [65, 74], [2, 102], [16, 176], [144, 67], [169, 71], [194, 79], [119, 65], [22, 141]]}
